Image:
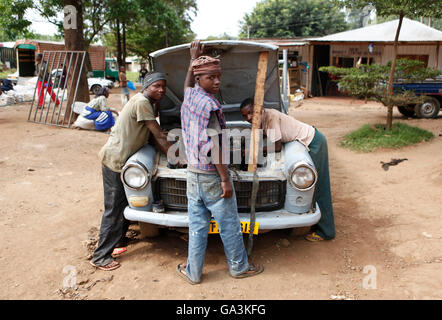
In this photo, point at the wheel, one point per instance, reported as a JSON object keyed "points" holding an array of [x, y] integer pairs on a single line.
{"points": [[298, 231], [148, 230], [96, 88], [407, 111], [429, 109]]}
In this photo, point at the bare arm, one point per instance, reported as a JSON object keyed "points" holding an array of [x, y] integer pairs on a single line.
{"points": [[278, 147], [159, 136], [196, 50]]}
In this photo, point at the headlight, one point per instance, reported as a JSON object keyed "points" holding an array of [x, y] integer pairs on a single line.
{"points": [[135, 176], [303, 176]]}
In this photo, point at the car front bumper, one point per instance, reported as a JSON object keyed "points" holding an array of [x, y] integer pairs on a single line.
{"points": [[271, 220]]}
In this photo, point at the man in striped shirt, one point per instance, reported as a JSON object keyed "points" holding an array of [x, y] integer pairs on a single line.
{"points": [[209, 185]]}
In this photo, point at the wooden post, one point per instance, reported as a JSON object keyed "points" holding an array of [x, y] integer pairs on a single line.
{"points": [[257, 110]]}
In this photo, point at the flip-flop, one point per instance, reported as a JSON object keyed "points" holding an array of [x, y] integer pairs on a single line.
{"points": [[109, 267], [313, 237], [179, 270], [253, 270], [118, 251]]}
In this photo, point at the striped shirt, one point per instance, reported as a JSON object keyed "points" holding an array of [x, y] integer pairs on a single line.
{"points": [[196, 109]]}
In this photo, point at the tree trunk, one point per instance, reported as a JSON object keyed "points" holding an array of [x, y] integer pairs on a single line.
{"points": [[118, 37], [124, 44], [391, 77], [74, 41]]}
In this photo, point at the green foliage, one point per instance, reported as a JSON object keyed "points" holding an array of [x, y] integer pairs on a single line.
{"points": [[369, 81], [12, 22], [288, 19], [158, 24], [150, 24], [369, 138]]}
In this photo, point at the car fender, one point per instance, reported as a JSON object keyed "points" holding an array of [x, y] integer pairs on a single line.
{"points": [[146, 157], [297, 201]]}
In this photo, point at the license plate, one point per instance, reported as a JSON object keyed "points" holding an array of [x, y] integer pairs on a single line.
{"points": [[245, 226]]}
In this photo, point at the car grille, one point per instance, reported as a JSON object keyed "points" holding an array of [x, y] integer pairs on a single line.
{"points": [[271, 194]]}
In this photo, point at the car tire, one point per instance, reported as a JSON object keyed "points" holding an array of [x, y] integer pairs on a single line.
{"points": [[297, 231], [429, 109], [95, 88], [407, 111], [148, 230]]}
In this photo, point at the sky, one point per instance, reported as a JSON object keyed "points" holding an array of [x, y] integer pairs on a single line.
{"points": [[213, 18], [216, 17]]}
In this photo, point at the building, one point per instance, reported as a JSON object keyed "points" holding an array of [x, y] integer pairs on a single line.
{"points": [[7, 56], [371, 44], [26, 50]]}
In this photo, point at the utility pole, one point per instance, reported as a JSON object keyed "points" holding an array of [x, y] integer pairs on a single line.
{"points": [[248, 32]]}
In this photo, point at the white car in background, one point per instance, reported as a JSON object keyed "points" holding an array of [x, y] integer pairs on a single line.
{"points": [[94, 84]]}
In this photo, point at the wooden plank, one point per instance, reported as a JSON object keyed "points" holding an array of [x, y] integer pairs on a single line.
{"points": [[257, 110]]}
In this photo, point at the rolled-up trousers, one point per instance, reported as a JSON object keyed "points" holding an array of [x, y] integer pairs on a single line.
{"points": [[113, 224]]}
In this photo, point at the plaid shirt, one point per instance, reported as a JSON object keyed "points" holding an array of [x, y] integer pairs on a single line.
{"points": [[195, 115]]}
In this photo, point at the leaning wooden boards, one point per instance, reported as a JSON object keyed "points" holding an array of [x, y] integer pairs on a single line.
{"points": [[257, 111]]}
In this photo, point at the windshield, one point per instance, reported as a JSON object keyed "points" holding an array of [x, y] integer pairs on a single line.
{"points": [[111, 64]]}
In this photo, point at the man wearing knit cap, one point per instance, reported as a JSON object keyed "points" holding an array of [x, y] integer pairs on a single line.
{"points": [[209, 185], [135, 124]]}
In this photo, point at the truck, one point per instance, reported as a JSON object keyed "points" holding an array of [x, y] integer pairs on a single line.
{"points": [[110, 70], [431, 89]]}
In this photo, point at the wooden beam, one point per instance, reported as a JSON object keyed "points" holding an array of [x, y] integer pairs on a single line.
{"points": [[257, 110]]}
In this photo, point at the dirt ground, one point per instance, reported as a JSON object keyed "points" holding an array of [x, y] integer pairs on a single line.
{"points": [[388, 243]]}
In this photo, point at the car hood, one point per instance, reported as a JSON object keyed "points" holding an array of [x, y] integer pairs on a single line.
{"points": [[239, 62]]}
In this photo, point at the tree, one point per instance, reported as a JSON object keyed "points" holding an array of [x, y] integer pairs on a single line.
{"points": [[12, 22], [74, 41], [401, 9], [159, 24], [371, 81], [288, 19]]}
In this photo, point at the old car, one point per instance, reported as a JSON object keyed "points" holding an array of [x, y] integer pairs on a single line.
{"points": [[156, 188]]}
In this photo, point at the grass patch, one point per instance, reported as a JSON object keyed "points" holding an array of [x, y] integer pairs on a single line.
{"points": [[369, 138], [4, 74], [132, 76]]}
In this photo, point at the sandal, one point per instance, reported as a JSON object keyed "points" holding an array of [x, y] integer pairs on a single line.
{"points": [[118, 251], [313, 237], [253, 270], [179, 269], [109, 267]]}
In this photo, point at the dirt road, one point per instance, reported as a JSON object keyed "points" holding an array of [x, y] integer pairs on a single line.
{"points": [[388, 243]]}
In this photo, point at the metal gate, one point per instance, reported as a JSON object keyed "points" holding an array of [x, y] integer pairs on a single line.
{"points": [[59, 70]]}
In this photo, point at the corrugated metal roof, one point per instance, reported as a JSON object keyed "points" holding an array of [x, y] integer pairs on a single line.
{"points": [[411, 30], [280, 42]]}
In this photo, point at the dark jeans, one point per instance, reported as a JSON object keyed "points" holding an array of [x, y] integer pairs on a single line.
{"points": [[113, 224], [319, 154]]}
